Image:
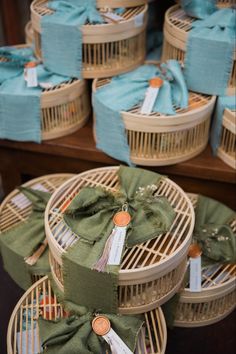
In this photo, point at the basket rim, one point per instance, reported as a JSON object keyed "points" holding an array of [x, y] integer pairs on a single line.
{"points": [[137, 273]]}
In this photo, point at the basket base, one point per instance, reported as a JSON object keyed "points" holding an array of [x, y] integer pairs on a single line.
{"points": [[230, 161]]}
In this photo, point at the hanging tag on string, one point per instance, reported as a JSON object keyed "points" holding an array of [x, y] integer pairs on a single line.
{"points": [[113, 249], [151, 95], [102, 327], [30, 74], [112, 17], [195, 283]]}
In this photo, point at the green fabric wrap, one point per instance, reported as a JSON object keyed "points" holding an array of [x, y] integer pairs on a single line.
{"points": [[21, 241], [74, 335], [213, 233], [90, 217]]}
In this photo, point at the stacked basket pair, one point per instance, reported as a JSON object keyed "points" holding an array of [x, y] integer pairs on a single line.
{"points": [[150, 273]]}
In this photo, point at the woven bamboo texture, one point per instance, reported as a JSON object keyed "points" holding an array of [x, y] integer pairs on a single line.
{"points": [[108, 49], [16, 209], [23, 321], [157, 140], [150, 272], [64, 108], [120, 3], [216, 299], [227, 148], [29, 34], [176, 27]]}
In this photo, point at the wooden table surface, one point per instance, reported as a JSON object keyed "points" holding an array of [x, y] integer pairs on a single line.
{"points": [[77, 152]]}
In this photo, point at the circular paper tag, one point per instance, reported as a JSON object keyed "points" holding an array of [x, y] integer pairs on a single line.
{"points": [[156, 82], [101, 325], [122, 218]]}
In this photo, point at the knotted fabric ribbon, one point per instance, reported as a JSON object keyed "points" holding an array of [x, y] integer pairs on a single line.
{"points": [[62, 34], [216, 239], [210, 52], [213, 233], [199, 8], [20, 108], [74, 335], [21, 241], [223, 102], [127, 90], [90, 217]]}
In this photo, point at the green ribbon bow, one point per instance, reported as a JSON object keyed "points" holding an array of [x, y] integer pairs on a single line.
{"points": [[90, 216], [74, 335], [213, 233], [21, 241]]}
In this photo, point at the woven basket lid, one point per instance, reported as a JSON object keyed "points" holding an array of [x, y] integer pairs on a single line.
{"points": [[40, 300], [144, 262], [16, 208]]}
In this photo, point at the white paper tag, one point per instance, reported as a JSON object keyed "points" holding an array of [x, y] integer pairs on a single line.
{"points": [[111, 16], [117, 246], [116, 343], [195, 274], [149, 100], [45, 85], [39, 187], [138, 20], [27, 342], [30, 75]]}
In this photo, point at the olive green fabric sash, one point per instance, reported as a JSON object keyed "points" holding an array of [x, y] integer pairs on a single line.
{"points": [[216, 239], [74, 335], [90, 217], [21, 241]]}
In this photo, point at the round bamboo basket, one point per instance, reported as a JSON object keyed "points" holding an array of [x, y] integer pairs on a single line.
{"points": [[16, 208], [176, 27], [108, 49], [217, 298], [120, 3], [29, 34], [150, 272], [64, 108], [23, 322], [158, 140], [227, 148]]}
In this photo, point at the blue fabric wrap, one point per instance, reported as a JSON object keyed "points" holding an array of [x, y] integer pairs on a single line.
{"points": [[210, 53], [62, 35], [199, 8], [223, 102], [127, 90], [20, 109]]}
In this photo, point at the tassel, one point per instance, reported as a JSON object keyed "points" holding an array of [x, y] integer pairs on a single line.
{"points": [[31, 260], [100, 265]]}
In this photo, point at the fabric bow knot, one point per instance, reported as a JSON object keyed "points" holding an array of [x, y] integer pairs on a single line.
{"points": [[213, 233], [90, 216], [75, 334], [127, 90]]}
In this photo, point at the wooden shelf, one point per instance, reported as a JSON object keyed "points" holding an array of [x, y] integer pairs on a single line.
{"points": [[77, 152]]}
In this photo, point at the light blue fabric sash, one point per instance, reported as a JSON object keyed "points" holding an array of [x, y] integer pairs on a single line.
{"points": [[62, 35], [210, 53], [216, 129], [20, 112], [127, 90], [199, 8]]}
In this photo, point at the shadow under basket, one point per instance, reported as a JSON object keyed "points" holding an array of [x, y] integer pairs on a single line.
{"points": [[151, 272], [16, 208], [215, 301], [39, 300], [64, 108], [159, 140], [176, 28], [108, 49], [227, 148]]}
